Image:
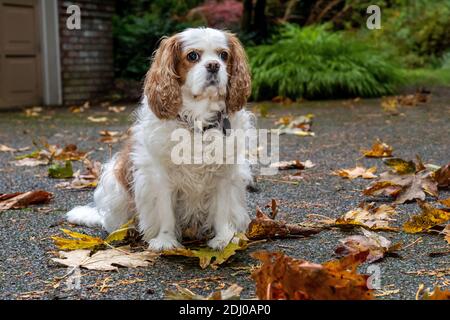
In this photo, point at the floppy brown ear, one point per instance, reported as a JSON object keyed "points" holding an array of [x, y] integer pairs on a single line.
{"points": [[161, 85], [239, 83]]}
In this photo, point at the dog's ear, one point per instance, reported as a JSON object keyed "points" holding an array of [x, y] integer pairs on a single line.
{"points": [[239, 83], [161, 85]]}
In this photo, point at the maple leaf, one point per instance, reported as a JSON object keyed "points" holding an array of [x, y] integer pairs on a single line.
{"points": [[368, 216], [357, 172], [21, 200], [377, 245], [209, 257], [429, 218], [283, 278], [436, 294], [106, 260], [379, 150], [265, 227], [84, 241], [442, 176], [403, 183], [233, 292]]}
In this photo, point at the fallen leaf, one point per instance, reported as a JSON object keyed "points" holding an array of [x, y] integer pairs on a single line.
{"points": [[97, 119], [88, 179], [233, 292], [294, 164], [5, 148], [376, 244], [209, 257], [30, 162], [106, 260], [446, 233], [379, 150], [79, 241], [400, 166], [117, 109], [84, 241], [357, 172], [111, 136], [390, 105], [436, 294], [300, 125], [33, 112], [405, 186], [368, 216], [80, 109], [57, 171], [283, 278], [21, 200], [442, 176], [429, 218], [47, 153], [445, 202], [265, 227]]}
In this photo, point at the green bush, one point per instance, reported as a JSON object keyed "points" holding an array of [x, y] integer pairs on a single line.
{"points": [[138, 27], [312, 62]]}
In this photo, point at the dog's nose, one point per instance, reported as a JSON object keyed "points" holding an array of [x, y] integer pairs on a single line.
{"points": [[212, 66]]}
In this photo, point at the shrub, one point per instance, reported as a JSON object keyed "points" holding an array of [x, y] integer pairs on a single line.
{"points": [[312, 62], [138, 27]]}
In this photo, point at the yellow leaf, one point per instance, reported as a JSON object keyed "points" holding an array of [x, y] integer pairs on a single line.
{"points": [[121, 233], [79, 241], [429, 218], [206, 255]]}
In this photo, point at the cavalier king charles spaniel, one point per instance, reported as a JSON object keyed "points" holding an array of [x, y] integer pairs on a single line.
{"points": [[197, 76]]}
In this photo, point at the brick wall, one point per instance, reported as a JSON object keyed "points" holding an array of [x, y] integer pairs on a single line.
{"points": [[87, 54]]}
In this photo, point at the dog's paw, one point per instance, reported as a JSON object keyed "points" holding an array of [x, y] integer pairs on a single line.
{"points": [[219, 242], [163, 243]]}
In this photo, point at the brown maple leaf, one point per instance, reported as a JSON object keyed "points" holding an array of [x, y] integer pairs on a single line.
{"points": [[379, 150], [377, 245], [265, 227], [404, 182], [284, 278]]}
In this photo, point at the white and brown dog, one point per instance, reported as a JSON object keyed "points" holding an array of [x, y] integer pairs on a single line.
{"points": [[197, 76]]}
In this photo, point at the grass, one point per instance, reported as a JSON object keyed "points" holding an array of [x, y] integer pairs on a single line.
{"points": [[427, 77]]}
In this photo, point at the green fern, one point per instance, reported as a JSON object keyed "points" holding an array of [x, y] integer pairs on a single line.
{"points": [[312, 62]]}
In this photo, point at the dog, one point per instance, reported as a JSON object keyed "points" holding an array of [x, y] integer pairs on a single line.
{"points": [[199, 79]]}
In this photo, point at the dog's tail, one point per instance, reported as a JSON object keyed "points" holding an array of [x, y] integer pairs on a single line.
{"points": [[85, 215]]}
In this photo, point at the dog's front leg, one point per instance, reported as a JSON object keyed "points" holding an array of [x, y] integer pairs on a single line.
{"points": [[229, 211], [153, 198]]}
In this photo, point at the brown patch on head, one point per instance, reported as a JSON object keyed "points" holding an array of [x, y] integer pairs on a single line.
{"points": [[239, 82], [162, 83]]}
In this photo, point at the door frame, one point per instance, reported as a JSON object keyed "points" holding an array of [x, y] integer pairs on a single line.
{"points": [[50, 52]]}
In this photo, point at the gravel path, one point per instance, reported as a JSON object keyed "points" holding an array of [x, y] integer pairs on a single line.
{"points": [[342, 128]]}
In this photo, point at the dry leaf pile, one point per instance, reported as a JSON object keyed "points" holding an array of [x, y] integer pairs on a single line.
{"points": [[299, 126]]}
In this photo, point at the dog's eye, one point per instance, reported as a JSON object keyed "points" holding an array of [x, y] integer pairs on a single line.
{"points": [[193, 56], [224, 55]]}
